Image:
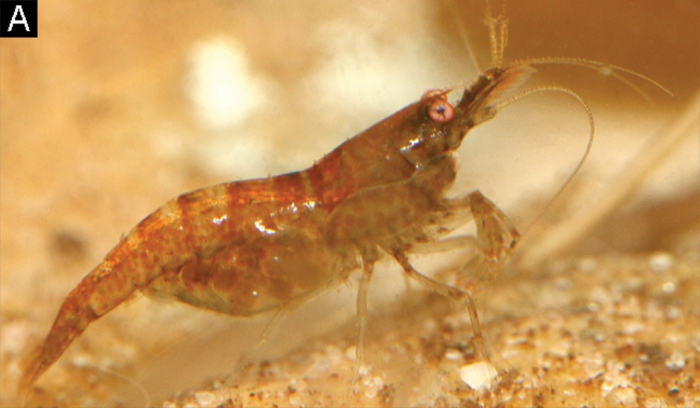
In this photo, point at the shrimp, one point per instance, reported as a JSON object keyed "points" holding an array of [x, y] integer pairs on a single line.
{"points": [[247, 247]]}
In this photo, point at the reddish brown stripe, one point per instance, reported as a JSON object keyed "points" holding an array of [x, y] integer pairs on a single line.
{"points": [[316, 179], [234, 199], [186, 204], [291, 187]]}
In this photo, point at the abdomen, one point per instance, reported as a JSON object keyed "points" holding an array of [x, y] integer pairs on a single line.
{"points": [[241, 248]]}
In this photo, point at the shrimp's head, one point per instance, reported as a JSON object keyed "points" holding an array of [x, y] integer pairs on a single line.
{"points": [[483, 98], [441, 126]]}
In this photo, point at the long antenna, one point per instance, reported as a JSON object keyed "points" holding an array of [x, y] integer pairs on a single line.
{"points": [[606, 69], [589, 145], [498, 34], [464, 38]]}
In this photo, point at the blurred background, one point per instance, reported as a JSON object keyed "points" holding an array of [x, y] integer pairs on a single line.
{"points": [[119, 106]]}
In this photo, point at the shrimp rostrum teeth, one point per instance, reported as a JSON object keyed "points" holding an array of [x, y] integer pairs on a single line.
{"points": [[246, 247]]}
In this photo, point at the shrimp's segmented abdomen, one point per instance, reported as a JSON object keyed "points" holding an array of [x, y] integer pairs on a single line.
{"points": [[236, 248]]}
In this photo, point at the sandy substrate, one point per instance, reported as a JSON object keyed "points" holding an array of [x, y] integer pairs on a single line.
{"points": [[119, 106]]}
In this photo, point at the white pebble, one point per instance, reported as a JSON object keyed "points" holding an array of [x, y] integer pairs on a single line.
{"points": [[660, 261], [205, 398], [453, 355], [675, 362], [478, 376], [669, 287]]}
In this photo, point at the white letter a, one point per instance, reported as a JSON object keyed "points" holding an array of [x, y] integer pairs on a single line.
{"points": [[23, 21]]}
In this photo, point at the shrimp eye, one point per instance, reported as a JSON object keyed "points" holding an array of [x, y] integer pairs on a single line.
{"points": [[441, 111]]}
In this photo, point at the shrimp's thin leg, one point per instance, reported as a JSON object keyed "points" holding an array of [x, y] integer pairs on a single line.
{"points": [[367, 270], [496, 237], [279, 314], [249, 359], [452, 292]]}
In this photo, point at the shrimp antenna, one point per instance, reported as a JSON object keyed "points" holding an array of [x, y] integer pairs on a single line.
{"points": [[131, 381], [464, 38], [498, 34], [589, 145], [605, 69]]}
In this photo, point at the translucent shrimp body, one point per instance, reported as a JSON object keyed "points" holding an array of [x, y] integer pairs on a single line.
{"points": [[246, 247]]}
